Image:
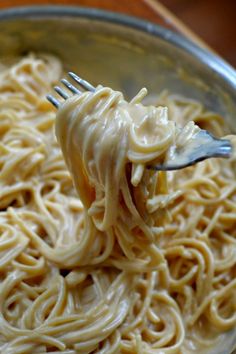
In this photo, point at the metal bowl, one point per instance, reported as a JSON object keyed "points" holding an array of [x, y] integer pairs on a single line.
{"points": [[125, 53]]}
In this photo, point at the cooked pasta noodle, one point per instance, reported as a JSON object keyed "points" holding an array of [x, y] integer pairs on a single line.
{"points": [[122, 259]]}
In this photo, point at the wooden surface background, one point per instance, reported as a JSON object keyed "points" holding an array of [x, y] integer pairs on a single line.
{"points": [[208, 22], [213, 20]]}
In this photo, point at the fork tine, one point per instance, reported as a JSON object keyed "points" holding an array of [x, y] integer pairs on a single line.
{"points": [[71, 87], [60, 92], [53, 100], [85, 84]]}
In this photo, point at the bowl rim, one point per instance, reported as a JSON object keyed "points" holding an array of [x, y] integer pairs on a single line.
{"points": [[218, 65]]}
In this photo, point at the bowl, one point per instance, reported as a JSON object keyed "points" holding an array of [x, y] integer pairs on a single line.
{"points": [[120, 51], [125, 53]]}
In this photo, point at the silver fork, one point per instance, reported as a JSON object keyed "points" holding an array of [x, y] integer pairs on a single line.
{"points": [[203, 145]]}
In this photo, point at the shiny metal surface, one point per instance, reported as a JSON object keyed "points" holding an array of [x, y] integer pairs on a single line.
{"points": [[124, 53]]}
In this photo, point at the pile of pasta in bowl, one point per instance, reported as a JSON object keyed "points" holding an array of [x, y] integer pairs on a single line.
{"points": [[100, 254]]}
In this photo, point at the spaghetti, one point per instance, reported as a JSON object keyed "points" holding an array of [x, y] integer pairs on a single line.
{"points": [[140, 262]]}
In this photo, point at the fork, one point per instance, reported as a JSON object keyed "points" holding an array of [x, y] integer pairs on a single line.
{"points": [[203, 144]]}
